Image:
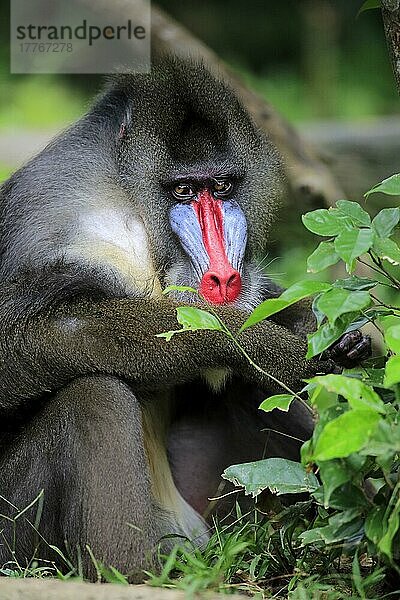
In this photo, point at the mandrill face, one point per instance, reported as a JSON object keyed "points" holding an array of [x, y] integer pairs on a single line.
{"points": [[204, 181], [212, 229]]}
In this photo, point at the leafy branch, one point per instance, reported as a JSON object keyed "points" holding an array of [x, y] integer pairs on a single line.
{"points": [[355, 446]]}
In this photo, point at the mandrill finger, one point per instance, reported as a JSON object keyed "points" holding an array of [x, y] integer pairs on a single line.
{"points": [[346, 343], [361, 350]]}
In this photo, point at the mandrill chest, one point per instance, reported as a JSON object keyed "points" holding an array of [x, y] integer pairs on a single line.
{"points": [[116, 241]]}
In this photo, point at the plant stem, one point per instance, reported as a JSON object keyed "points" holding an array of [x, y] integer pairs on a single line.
{"points": [[260, 370], [256, 366], [380, 303], [377, 261], [377, 271]]}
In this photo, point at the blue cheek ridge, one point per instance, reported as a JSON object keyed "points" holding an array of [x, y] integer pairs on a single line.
{"points": [[186, 226], [235, 232]]}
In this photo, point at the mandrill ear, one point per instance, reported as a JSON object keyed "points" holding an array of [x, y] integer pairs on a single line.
{"points": [[122, 131], [124, 122]]}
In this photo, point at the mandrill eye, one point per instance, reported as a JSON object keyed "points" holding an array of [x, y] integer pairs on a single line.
{"points": [[222, 187], [183, 191]]}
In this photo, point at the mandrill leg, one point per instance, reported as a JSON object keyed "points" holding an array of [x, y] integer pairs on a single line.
{"points": [[85, 449]]}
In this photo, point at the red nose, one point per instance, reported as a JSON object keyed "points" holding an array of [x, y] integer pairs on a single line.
{"points": [[220, 288]]}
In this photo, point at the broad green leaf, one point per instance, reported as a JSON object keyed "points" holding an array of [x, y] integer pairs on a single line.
{"points": [[303, 289], [375, 524], [339, 301], [368, 5], [392, 371], [392, 338], [325, 222], [342, 526], [386, 543], [279, 401], [390, 186], [358, 215], [279, 475], [353, 243], [323, 256], [359, 395], [296, 292], [263, 311], [347, 496], [375, 484], [306, 452], [374, 376], [347, 434], [321, 398], [357, 578], [386, 440], [179, 288], [328, 333], [194, 318], [385, 221], [375, 312], [333, 474], [387, 249], [355, 283]]}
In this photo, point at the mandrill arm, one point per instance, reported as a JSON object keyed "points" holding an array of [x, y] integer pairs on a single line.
{"points": [[65, 338]]}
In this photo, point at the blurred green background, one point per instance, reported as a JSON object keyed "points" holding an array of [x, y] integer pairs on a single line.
{"points": [[312, 59]]}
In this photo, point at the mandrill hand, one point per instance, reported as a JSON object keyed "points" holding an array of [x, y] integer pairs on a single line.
{"points": [[350, 350]]}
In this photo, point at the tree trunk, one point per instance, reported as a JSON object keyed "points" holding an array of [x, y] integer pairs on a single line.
{"points": [[391, 23]]}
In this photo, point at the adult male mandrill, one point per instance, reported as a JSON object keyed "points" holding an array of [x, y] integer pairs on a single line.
{"points": [[165, 181]]}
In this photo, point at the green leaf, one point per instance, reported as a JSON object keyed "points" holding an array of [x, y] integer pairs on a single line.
{"points": [[392, 371], [375, 524], [355, 283], [390, 186], [385, 544], [263, 311], [321, 398], [323, 256], [385, 221], [319, 315], [279, 401], [333, 475], [368, 5], [339, 301], [374, 377], [357, 578], [303, 289], [392, 338], [194, 319], [385, 441], [359, 395], [327, 334], [325, 222], [180, 288], [387, 249], [342, 526], [347, 496], [296, 292], [358, 215], [279, 475], [346, 434], [353, 243]]}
